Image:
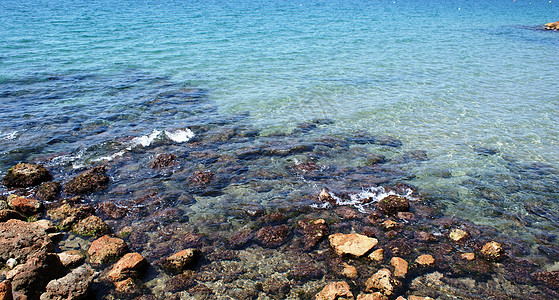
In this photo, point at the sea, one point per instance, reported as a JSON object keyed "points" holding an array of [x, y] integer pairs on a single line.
{"points": [[458, 97]]}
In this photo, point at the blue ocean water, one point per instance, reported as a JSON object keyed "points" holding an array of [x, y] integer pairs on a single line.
{"points": [[471, 83]]}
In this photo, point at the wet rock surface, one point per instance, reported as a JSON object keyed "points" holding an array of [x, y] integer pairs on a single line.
{"points": [[25, 175], [74, 285], [88, 181], [105, 249]]}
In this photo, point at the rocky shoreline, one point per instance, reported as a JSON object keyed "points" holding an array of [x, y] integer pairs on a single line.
{"points": [[54, 244]]}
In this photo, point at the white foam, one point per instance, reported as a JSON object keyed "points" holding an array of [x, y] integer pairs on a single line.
{"points": [[9, 136], [180, 135], [145, 140], [370, 195]]}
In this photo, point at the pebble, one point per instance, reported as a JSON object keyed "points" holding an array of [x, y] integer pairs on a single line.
{"points": [[400, 267], [425, 260]]}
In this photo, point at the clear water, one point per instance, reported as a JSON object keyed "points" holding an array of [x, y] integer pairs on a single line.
{"points": [[452, 78]]}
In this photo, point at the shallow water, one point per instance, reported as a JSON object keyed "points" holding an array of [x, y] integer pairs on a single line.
{"points": [[466, 87]]}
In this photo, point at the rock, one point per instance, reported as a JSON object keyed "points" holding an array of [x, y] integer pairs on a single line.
{"points": [[163, 160], [390, 225], [71, 258], [111, 210], [383, 282], [32, 277], [425, 260], [26, 175], [493, 251], [105, 249], [326, 196], [314, 232], [373, 296], [11, 263], [408, 216], [335, 291], [468, 256], [392, 204], [6, 290], [8, 214], [353, 243], [25, 206], [91, 226], [387, 141], [552, 26], [180, 282], [272, 236], [549, 278], [48, 191], [349, 271], [128, 287], [377, 255], [413, 297], [458, 235], [400, 267], [74, 285], [89, 181], [19, 240], [375, 159], [305, 270], [240, 239], [182, 260], [130, 265], [201, 178], [70, 214]]}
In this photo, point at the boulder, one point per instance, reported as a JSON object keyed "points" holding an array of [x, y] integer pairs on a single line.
{"points": [[493, 251], [25, 206], [392, 204], [19, 240], [105, 249], [163, 160], [377, 255], [8, 214], [400, 267], [32, 277], [181, 260], [339, 290], [73, 286], [91, 226], [48, 191], [272, 236], [6, 290], [69, 214], [88, 181], [314, 232], [353, 243], [552, 26], [26, 175], [382, 282], [71, 258], [130, 265]]}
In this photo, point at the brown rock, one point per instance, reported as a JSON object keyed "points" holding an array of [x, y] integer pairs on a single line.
{"points": [[377, 255], [349, 271], [89, 181], [48, 191], [201, 178], [392, 204], [74, 285], [413, 297], [32, 277], [408, 216], [549, 278], [272, 236], [19, 240], [130, 265], [71, 258], [468, 256], [493, 251], [353, 243], [400, 266], [105, 249], [458, 235], [111, 210], [314, 232], [182, 260], [326, 196], [91, 226], [383, 282], [373, 296], [390, 225], [127, 286], [26, 175], [70, 214], [425, 260], [6, 290], [24, 205], [552, 26], [8, 214], [163, 160], [335, 291]]}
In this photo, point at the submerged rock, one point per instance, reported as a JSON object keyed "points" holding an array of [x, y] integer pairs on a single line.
{"points": [[74, 285], [272, 236], [552, 26], [549, 278], [89, 181], [353, 243], [314, 232], [181, 260], [335, 291], [26, 175], [493, 251], [383, 282], [392, 204], [163, 160]]}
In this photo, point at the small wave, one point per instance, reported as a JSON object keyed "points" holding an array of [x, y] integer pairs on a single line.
{"points": [[365, 198], [9, 136]]}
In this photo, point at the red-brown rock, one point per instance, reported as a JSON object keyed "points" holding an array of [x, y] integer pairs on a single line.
{"points": [[272, 236], [19, 240], [335, 291], [6, 290], [130, 265], [181, 260], [91, 226], [105, 249], [91, 180], [552, 26], [392, 204], [24, 205]]}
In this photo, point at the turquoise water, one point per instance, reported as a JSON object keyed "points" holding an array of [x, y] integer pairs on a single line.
{"points": [[471, 83]]}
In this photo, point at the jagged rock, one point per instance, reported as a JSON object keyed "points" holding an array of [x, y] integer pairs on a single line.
{"points": [[25, 206], [71, 258], [468, 256], [392, 204], [493, 251], [400, 267], [128, 287], [425, 260], [26, 175], [6, 290], [390, 225], [73, 286], [105, 249], [377, 255], [353, 243], [163, 160], [272, 236], [91, 226], [70, 214], [349, 271], [48, 191], [89, 181], [383, 282], [373, 296], [8, 214], [32, 277], [552, 26], [335, 291], [326, 196], [314, 232], [20, 239], [181, 260], [130, 265], [458, 235]]}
